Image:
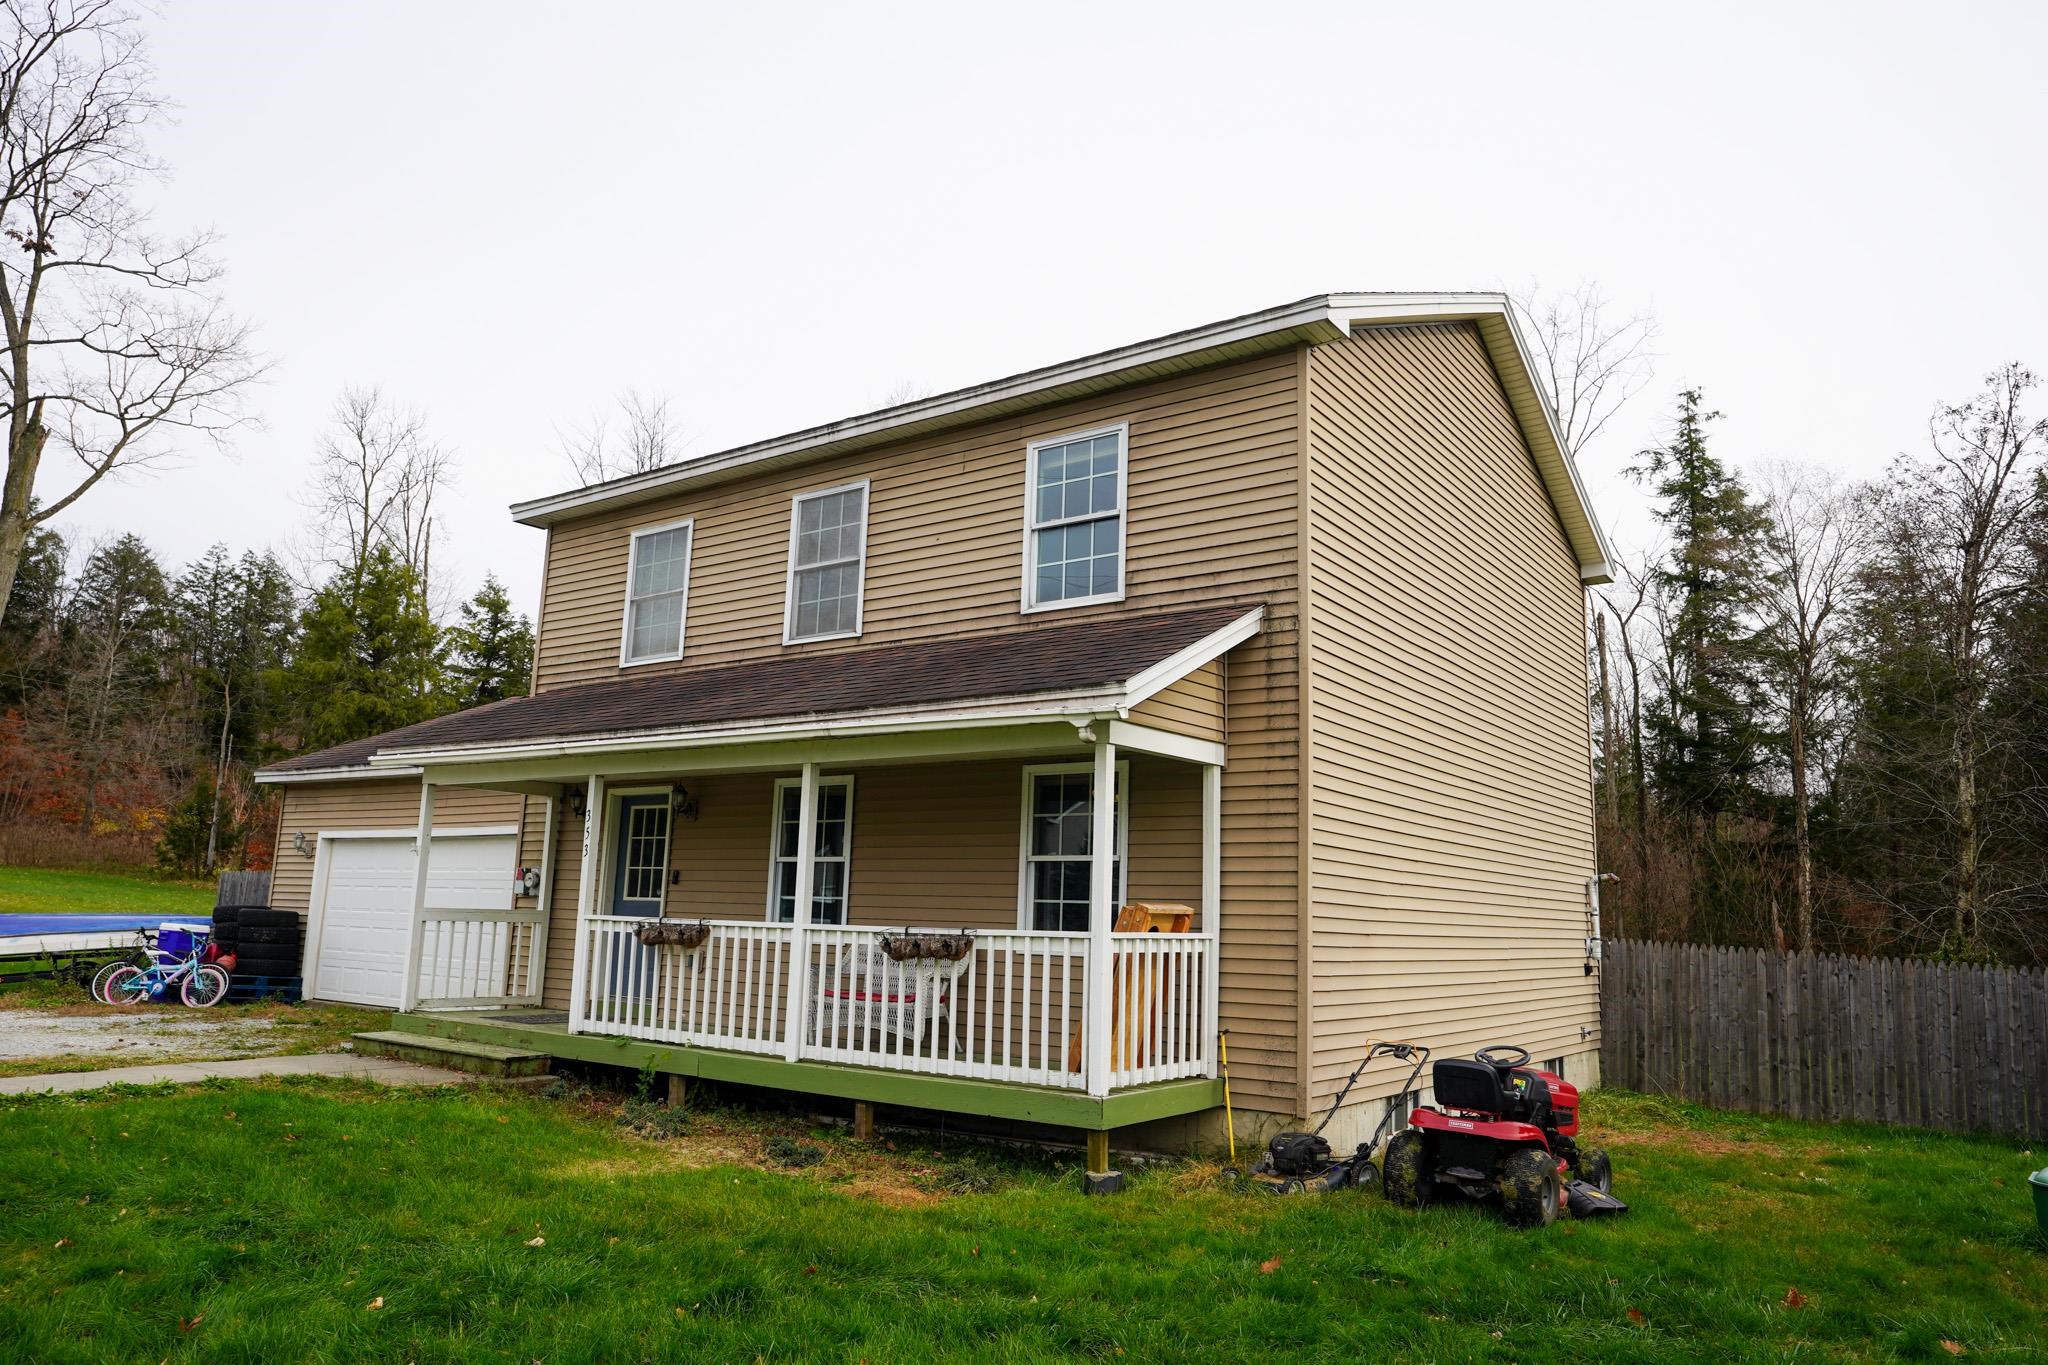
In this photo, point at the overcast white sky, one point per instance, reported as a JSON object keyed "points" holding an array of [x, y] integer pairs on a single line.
{"points": [[506, 213]]}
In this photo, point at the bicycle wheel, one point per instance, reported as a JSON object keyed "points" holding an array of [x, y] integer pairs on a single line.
{"points": [[129, 985], [98, 989], [207, 985]]}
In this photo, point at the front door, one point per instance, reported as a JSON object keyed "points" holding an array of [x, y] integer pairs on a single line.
{"points": [[639, 875], [640, 855]]}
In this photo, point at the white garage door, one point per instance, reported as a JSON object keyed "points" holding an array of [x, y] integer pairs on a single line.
{"points": [[368, 906]]}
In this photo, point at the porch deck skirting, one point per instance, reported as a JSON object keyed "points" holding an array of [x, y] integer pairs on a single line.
{"points": [[1012, 1010]]}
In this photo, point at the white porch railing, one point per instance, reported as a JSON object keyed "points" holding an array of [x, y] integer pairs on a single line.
{"points": [[1012, 1010], [479, 958], [728, 993]]}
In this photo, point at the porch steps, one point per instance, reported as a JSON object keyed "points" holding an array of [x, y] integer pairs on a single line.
{"points": [[456, 1054]]}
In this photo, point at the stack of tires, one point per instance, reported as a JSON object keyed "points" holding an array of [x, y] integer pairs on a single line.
{"points": [[265, 944]]}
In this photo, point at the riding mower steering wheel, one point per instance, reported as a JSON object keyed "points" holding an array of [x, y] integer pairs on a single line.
{"points": [[1503, 1056]]}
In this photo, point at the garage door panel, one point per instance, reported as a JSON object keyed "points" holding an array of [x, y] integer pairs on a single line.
{"points": [[367, 909]]}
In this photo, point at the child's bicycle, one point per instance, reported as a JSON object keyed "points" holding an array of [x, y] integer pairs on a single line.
{"points": [[177, 964], [141, 955]]}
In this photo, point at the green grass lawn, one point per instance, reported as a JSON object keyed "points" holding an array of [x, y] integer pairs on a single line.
{"points": [[43, 891], [302, 1222]]}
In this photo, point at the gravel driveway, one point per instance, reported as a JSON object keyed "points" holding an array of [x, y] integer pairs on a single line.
{"points": [[37, 1033]]}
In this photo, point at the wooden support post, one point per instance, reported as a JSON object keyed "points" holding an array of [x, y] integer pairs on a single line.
{"points": [[678, 1090], [797, 1010], [416, 930], [586, 904], [1098, 1151], [1101, 915], [863, 1121]]}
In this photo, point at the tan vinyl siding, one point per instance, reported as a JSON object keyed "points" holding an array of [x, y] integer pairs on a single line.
{"points": [[1212, 516], [1451, 826], [1192, 707], [388, 803]]}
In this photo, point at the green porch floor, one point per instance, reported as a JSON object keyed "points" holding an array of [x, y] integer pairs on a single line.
{"points": [[947, 1094]]}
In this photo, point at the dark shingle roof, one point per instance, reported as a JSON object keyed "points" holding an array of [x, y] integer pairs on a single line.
{"points": [[1047, 659]]}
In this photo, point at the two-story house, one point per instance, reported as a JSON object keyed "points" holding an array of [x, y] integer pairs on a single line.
{"points": [[1279, 619]]}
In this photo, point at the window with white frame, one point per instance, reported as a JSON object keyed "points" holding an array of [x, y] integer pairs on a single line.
{"points": [[657, 593], [828, 544], [1059, 844], [830, 856], [1074, 537]]}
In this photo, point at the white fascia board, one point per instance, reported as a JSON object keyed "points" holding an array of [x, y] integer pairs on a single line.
{"points": [[358, 774], [1174, 667], [1306, 320], [1512, 357], [1078, 708]]}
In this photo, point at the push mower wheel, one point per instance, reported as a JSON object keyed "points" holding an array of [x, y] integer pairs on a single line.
{"points": [[1407, 1178], [1596, 1170], [1528, 1188]]}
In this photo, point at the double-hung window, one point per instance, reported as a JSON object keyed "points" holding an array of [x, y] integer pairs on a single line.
{"points": [[829, 856], [1059, 843], [1074, 521], [657, 593], [828, 542]]}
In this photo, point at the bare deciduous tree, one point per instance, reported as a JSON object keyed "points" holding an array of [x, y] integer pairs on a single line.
{"points": [[640, 436], [1592, 360], [1811, 550], [379, 473], [114, 338]]}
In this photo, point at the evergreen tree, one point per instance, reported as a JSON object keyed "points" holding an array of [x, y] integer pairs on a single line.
{"points": [[369, 658], [490, 650], [29, 633], [1703, 729]]}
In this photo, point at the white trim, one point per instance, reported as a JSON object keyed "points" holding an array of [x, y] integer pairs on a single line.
{"points": [[586, 880], [408, 832], [1314, 320], [783, 784], [1123, 830], [1166, 743], [1122, 432], [1170, 670], [633, 538], [416, 928], [1106, 776], [1069, 706], [358, 774], [860, 586]]}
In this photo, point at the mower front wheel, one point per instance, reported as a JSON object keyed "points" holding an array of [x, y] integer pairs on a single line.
{"points": [[1406, 1177], [1596, 1170], [1529, 1189]]}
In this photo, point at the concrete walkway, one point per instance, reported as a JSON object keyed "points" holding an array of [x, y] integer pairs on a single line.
{"points": [[382, 1070]]}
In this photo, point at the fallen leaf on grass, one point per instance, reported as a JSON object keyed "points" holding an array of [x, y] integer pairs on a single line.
{"points": [[536, 1241], [187, 1324], [1793, 1298], [810, 1270], [1635, 1315], [1954, 1348], [375, 1303], [1268, 1267], [62, 1242]]}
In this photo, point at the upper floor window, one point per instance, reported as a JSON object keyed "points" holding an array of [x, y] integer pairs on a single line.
{"points": [[657, 593], [828, 541], [1074, 525]]}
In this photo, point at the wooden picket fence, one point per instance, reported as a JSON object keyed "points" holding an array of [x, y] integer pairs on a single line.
{"points": [[1883, 1040]]}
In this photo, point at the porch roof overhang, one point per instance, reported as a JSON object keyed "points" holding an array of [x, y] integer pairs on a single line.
{"points": [[987, 693]]}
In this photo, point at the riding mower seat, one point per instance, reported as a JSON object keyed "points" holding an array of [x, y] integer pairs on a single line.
{"points": [[1510, 1093]]}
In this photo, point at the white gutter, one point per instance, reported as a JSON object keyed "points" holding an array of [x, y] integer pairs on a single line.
{"points": [[305, 775]]}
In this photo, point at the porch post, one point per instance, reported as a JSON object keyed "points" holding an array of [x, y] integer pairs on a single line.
{"points": [[423, 847], [1101, 915], [586, 892], [544, 904], [1212, 908], [796, 1011]]}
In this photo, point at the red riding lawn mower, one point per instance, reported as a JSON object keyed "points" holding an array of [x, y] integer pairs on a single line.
{"points": [[1501, 1129]]}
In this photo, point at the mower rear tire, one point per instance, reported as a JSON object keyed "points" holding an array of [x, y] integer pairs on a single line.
{"points": [[1596, 1170], [1529, 1188], [1406, 1177]]}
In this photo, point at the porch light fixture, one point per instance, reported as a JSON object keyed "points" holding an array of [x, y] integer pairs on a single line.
{"points": [[299, 843], [576, 802], [685, 805]]}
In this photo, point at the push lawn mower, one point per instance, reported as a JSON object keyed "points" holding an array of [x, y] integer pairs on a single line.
{"points": [[1302, 1163], [1502, 1129]]}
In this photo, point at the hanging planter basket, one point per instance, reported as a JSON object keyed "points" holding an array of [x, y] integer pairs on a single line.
{"points": [[936, 947], [664, 933]]}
